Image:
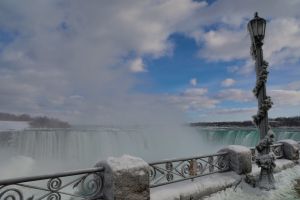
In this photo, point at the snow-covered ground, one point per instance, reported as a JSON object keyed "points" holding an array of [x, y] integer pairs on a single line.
{"points": [[285, 181], [13, 125], [216, 184]]}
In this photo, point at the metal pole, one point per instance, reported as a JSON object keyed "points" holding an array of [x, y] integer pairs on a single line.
{"points": [[262, 116], [265, 158]]}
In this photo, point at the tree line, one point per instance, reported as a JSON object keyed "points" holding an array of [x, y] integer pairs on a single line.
{"points": [[35, 122], [275, 122]]}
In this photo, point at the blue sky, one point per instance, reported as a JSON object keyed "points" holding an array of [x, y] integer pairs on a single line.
{"points": [[134, 60]]}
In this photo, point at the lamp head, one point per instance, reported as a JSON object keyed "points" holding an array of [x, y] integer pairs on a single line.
{"points": [[257, 28]]}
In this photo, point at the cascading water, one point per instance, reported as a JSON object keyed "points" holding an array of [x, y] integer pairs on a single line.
{"points": [[243, 136], [82, 147], [44, 150]]}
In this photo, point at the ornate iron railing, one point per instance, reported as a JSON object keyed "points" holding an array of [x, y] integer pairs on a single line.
{"points": [[275, 148], [79, 184], [171, 171]]}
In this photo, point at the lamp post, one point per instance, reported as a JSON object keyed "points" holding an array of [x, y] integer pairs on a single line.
{"points": [[265, 158]]}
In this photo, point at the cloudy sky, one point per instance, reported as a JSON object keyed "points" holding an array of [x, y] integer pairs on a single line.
{"points": [[130, 60]]}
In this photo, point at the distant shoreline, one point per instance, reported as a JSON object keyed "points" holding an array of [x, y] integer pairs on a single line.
{"points": [[35, 122], [276, 122]]}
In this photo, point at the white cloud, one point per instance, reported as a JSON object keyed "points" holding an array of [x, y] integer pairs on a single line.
{"points": [[293, 85], [229, 40], [194, 99], [225, 45], [78, 48], [230, 111], [280, 97], [193, 82], [285, 97], [137, 66], [237, 95], [75, 48], [228, 82]]}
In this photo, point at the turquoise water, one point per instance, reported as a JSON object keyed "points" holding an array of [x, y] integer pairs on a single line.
{"points": [[243, 136]]}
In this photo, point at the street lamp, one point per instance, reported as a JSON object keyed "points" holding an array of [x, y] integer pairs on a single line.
{"points": [[257, 28], [265, 158]]}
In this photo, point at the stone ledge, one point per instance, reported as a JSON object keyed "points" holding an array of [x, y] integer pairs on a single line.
{"points": [[125, 178]]}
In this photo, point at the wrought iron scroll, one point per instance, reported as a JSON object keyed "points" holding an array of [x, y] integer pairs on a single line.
{"points": [[171, 171], [80, 184], [275, 148]]}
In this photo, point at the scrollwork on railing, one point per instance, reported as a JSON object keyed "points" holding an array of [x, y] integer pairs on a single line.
{"points": [[80, 184], [170, 171], [275, 148]]}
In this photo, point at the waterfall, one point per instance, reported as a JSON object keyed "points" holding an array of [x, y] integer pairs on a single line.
{"points": [[244, 136], [43, 150], [89, 145]]}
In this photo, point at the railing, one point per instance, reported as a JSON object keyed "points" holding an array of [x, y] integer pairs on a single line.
{"points": [[171, 171], [79, 184], [275, 148]]}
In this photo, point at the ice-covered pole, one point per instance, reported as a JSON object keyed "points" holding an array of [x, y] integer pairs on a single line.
{"points": [[256, 28], [265, 159]]}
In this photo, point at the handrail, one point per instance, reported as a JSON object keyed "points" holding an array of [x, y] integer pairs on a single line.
{"points": [[176, 170], [86, 184], [275, 148], [49, 176], [187, 158]]}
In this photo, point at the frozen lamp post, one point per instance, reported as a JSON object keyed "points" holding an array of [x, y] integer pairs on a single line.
{"points": [[265, 159]]}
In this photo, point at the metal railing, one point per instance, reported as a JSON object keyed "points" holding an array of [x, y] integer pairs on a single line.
{"points": [[275, 148], [175, 170], [79, 184]]}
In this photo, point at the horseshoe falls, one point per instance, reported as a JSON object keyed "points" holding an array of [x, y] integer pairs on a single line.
{"points": [[243, 136], [35, 151]]}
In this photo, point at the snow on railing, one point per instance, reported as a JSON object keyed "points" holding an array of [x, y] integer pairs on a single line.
{"points": [[79, 184], [171, 171], [277, 149]]}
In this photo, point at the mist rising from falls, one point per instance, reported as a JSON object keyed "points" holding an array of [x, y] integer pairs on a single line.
{"points": [[82, 147], [37, 151]]}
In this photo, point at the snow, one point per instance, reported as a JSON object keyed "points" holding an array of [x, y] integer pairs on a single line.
{"points": [[13, 125], [284, 182], [238, 148], [126, 162], [200, 186], [207, 185]]}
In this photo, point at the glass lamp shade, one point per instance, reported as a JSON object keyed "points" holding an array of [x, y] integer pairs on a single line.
{"points": [[256, 28]]}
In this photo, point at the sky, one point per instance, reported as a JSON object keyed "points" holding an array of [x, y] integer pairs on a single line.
{"points": [[133, 61]]}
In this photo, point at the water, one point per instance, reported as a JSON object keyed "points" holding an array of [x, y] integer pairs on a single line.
{"points": [[44, 150], [243, 136], [83, 146], [37, 151]]}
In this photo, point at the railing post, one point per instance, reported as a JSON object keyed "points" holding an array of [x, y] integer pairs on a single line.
{"points": [[290, 149], [126, 177], [238, 158]]}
